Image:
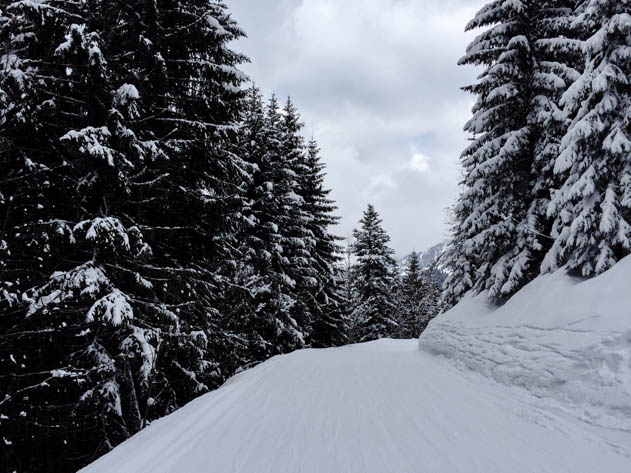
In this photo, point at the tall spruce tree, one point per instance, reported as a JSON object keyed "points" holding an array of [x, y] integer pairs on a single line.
{"points": [[373, 310], [497, 163], [326, 299], [271, 246], [298, 227], [418, 299], [121, 186], [501, 224], [558, 57], [592, 206]]}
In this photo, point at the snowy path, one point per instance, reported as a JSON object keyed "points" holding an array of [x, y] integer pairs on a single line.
{"points": [[382, 407]]}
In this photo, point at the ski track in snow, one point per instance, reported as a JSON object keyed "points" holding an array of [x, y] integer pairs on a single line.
{"points": [[381, 407]]}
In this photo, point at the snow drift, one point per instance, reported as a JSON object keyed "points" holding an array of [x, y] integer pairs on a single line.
{"points": [[561, 338], [540, 385]]}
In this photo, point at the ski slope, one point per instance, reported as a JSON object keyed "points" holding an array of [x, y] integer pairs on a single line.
{"points": [[539, 385]]}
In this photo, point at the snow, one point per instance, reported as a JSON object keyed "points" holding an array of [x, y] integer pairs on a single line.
{"points": [[114, 308], [567, 341], [87, 279], [90, 140], [542, 384]]}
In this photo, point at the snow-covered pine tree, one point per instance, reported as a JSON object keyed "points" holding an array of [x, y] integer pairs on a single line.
{"points": [[410, 295], [501, 230], [269, 265], [418, 299], [431, 304], [592, 206], [116, 147], [326, 300], [72, 311], [484, 228], [373, 310], [300, 240], [349, 291], [497, 163], [191, 197], [558, 57]]}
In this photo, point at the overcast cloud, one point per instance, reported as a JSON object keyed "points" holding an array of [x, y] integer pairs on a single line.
{"points": [[378, 86]]}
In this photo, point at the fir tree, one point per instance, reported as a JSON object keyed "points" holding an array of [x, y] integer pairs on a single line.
{"points": [[557, 63], [299, 220], [501, 228], [410, 297], [418, 298], [373, 310], [592, 206], [326, 299], [498, 161], [271, 251]]}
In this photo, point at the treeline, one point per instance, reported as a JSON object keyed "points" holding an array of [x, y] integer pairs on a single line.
{"points": [[548, 173]]}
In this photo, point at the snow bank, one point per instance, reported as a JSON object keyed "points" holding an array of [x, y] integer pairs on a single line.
{"points": [[563, 339]]}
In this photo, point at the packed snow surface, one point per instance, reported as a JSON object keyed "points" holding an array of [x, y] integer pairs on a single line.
{"points": [[540, 385]]}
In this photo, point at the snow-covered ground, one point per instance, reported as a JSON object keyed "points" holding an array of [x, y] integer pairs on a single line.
{"points": [[540, 385], [561, 339]]}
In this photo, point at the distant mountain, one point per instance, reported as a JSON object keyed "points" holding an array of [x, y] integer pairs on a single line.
{"points": [[430, 256]]}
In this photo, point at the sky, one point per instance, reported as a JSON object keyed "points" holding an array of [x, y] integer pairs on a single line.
{"points": [[378, 86]]}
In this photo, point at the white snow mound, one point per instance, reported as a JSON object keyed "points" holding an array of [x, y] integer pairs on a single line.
{"points": [[561, 338], [559, 349]]}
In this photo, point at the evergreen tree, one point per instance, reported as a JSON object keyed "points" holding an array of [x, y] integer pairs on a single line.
{"points": [[119, 193], [418, 299], [501, 227], [326, 299], [271, 246], [592, 206], [557, 63], [498, 161], [410, 297], [299, 224], [373, 310]]}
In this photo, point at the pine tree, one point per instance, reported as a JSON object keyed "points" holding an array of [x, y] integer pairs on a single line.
{"points": [[418, 298], [326, 299], [116, 140], [270, 246], [592, 206], [498, 161], [299, 223], [501, 227], [410, 297], [557, 63], [373, 310]]}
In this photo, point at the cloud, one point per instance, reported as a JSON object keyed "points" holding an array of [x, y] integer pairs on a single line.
{"points": [[375, 80], [419, 163]]}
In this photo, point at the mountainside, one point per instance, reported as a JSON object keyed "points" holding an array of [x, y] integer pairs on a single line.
{"points": [[539, 385], [431, 255]]}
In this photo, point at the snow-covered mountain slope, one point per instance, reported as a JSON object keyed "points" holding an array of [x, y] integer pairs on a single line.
{"points": [[540, 385]]}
